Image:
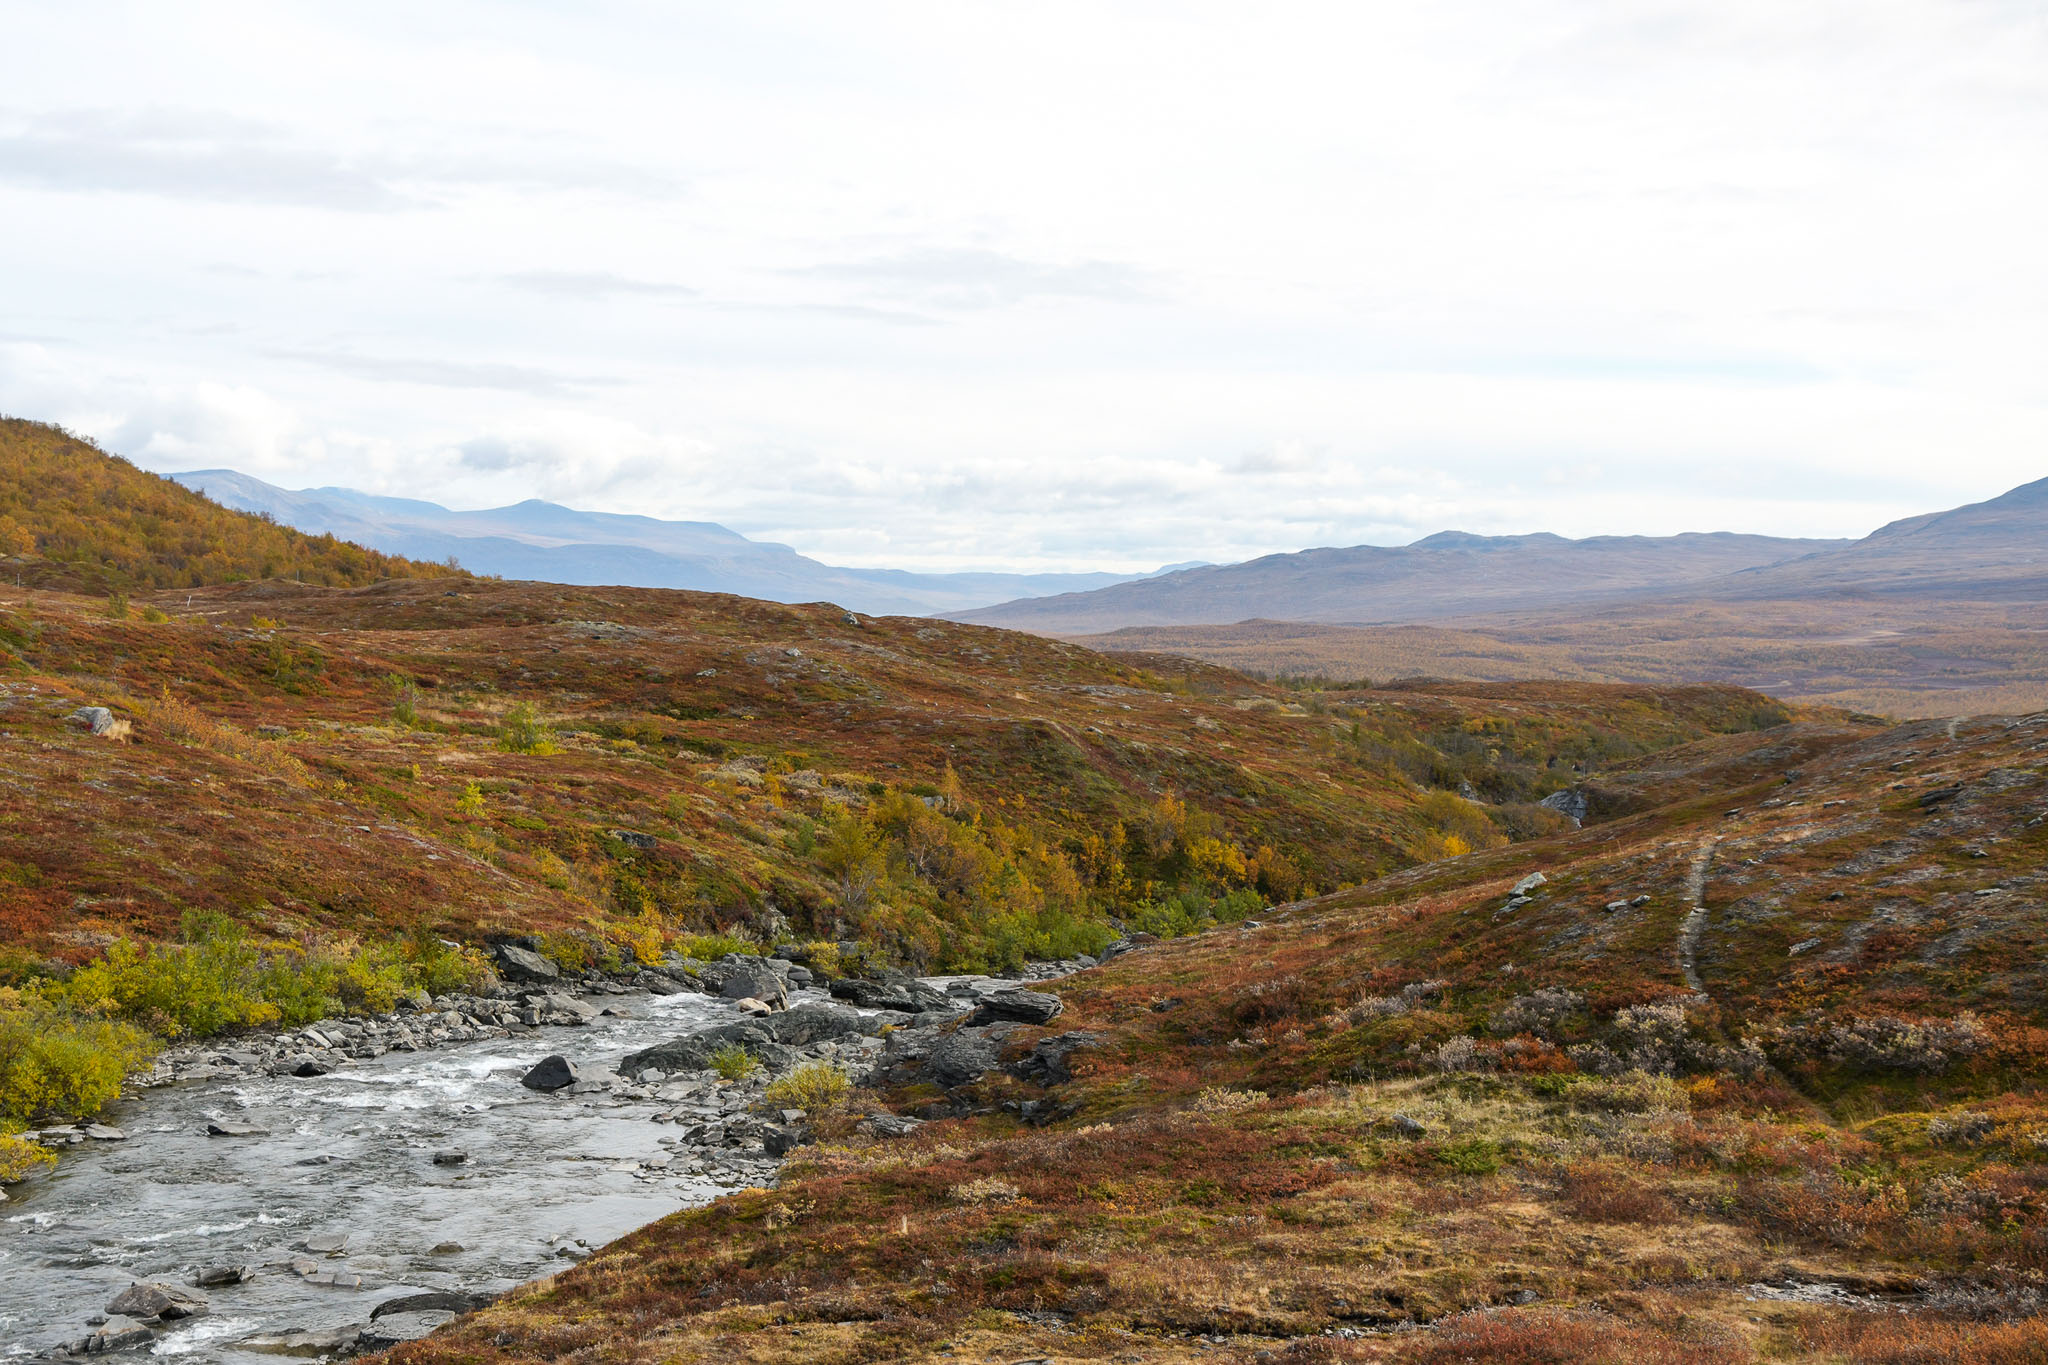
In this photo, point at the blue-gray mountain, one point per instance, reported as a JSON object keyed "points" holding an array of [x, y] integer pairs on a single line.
{"points": [[1987, 552], [541, 540]]}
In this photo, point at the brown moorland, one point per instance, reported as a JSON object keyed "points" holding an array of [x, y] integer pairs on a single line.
{"points": [[1752, 1074]]}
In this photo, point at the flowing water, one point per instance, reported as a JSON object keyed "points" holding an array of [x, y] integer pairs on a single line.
{"points": [[352, 1153]]}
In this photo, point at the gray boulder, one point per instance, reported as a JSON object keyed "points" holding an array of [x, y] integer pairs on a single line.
{"points": [[229, 1128], [166, 1302], [898, 993], [320, 1342], [1047, 1061], [1570, 803], [963, 1057], [890, 1125], [782, 1139], [771, 1040], [433, 1301], [561, 1009], [116, 1334], [1018, 1006], [214, 1276], [552, 1073], [102, 722], [523, 964], [762, 985], [807, 1024]]}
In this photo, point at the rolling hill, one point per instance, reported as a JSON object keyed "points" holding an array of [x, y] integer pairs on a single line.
{"points": [[74, 516]]}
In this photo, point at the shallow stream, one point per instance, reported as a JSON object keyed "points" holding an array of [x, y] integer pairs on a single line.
{"points": [[351, 1153]]}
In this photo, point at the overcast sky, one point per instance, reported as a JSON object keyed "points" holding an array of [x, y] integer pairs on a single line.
{"points": [[1110, 285]]}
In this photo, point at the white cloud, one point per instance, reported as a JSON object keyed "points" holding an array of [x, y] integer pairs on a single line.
{"points": [[1063, 285]]}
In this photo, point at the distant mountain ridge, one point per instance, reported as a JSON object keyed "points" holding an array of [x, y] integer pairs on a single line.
{"points": [[546, 541], [1449, 574], [1991, 551]]}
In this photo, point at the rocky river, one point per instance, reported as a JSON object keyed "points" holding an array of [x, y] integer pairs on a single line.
{"points": [[297, 1185]]}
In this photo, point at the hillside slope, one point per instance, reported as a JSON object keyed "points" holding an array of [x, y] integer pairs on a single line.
{"points": [[544, 541], [315, 761], [1751, 1073], [73, 516]]}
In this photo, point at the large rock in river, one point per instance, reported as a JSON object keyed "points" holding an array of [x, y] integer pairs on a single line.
{"points": [[552, 1073], [763, 985], [168, 1302]]}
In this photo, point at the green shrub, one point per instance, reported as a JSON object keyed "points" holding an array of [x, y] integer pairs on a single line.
{"points": [[20, 1158], [1471, 1156], [711, 947], [220, 978], [153, 616], [405, 700], [734, 1062], [1190, 912], [441, 968], [193, 989], [812, 1087], [54, 1062], [523, 732]]}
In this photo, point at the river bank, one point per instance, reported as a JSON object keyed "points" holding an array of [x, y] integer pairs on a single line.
{"points": [[299, 1182]]}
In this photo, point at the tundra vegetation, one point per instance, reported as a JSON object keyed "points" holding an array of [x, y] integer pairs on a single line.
{"points": [[1429, 1101]]}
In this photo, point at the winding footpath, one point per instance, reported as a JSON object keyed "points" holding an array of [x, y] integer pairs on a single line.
{"points": [[1695, 921]]}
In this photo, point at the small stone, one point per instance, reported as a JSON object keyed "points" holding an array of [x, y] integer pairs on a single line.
{"points": [[1528, 884], [1407, 1127], [310, 1068], [227, 1128], [447, 1248], [450, 1158], [327, 1243], [100, 1132], [217, 1275]]}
